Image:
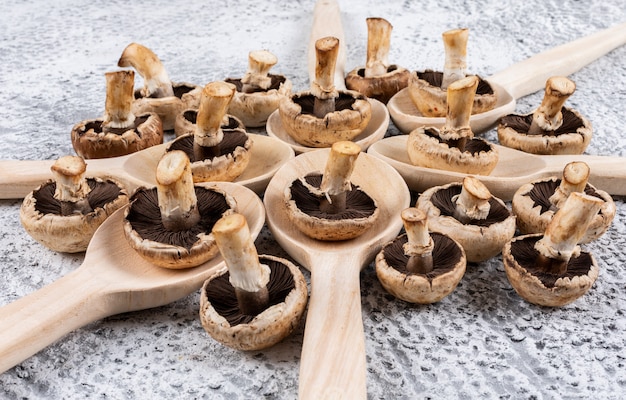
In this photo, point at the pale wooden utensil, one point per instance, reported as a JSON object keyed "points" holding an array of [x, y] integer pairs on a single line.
{"points": [[112, 279]]}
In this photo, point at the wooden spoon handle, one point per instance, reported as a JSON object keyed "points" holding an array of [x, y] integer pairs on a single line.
{"points": [[327, 22], [18, 178], [531, 74]]}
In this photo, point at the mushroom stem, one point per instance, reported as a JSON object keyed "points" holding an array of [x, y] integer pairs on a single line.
{"points": [[336, 178], [71, 186], [460, 98], [419, 245], [473, 201], [247, 275], [455, 44], [216, 96], [378, 40], [323, 88], [548, 116], [575, 176], [119, 99], [176, 193], [259, 64], [156, 81]]}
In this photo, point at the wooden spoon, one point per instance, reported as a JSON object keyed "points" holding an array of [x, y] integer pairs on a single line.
{"points": [[112, 279], [18, 178], [514, 169], [517, 80], [333, 354]]}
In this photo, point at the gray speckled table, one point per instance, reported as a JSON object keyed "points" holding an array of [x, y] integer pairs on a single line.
{"points": [[482, 341]]}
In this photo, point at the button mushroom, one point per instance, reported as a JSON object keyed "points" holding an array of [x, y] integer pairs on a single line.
{"points": [[419, 267], [170, 225], [454, 147], [427, 89], [550, 269], [328, 207], [325, 115], [535, 203], [64, 213], [378, 79], [551, 128], [469, 214], [259, 300], [120, 131]]}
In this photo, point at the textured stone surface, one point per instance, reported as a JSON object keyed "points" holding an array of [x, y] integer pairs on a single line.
{"points": [[482, 341]]}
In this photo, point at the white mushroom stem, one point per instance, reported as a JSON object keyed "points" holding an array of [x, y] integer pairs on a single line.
{"points": [[156, 81], [455, 45], [259, 64], [247, 275], [378, 40], [575, 176], [336, 179], [473, 201], [216, 96], [323, 88], [419, 245], [560, 240], [460, 98], [548, 117], [71, 186], [176, 192], [119, 99]]}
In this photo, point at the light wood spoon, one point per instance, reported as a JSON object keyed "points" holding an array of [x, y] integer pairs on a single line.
{"points": [[517, 81], [333, 354], [113, 279]]}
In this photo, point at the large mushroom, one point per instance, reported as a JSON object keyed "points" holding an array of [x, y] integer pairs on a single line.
{"points": [[120, 131], [325, 115], [64, 213], [259, 300], [551, 128]]}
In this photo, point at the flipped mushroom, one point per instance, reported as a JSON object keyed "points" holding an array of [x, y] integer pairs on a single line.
{"points": [[550, 269], [419, 267], [454, 147], [120, 131], [170, 225], [324, 115], [535, 203], [378, 79], [328, 207], [469, 214], [551, 128], [259, 300], [427, 89], [64, 213]]}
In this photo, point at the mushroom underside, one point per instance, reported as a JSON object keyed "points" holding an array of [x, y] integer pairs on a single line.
{"points": [[101, 192], [186, 123], [442, 199], [254, 108], [277, 81], [381, 87]]}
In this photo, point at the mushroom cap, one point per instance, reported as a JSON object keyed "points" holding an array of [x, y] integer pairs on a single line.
{"points": [[382, 87], [186, 122], [186, 95], [67, 234], [353, 114], [564, 289], [265, 329]]}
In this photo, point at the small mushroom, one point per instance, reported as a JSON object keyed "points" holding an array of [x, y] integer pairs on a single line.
{"points": [[328, 207], [217, 152], [454, 147], [120, 131], [64, 213], [259, 300], [550, 269], [551, 128], [427, 89], [469, 214], [378, 79], [170, 225], [535, 203], [419, 267], [325, 115]]}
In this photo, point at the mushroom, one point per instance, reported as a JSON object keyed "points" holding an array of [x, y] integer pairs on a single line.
{"points": [[170, 225], [419, 267], [328, 207], [454, 147], [64, 213], [217, 153], [427, 89], [325, 115], [378, 79], [469, 214], [551, 128], [550, 269], [535, 203], [120, 131], [259, 300], [158, 95]]}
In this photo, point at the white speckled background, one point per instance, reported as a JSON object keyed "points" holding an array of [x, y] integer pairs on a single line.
{"points": [[482, 341]]}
